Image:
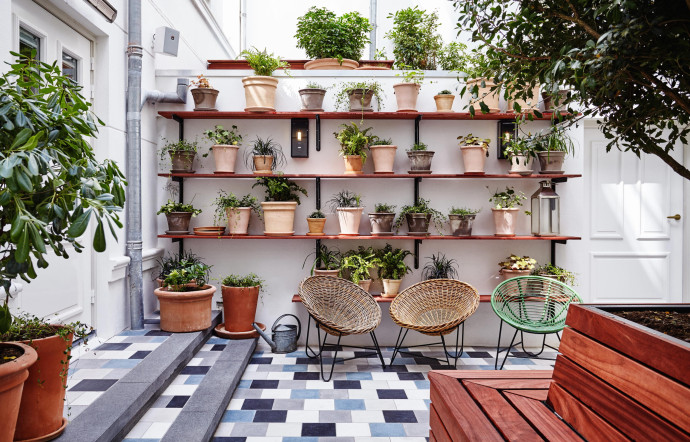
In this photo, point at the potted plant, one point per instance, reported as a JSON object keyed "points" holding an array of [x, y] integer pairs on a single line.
{"points": [[185, 299], [240, 298], [178, 215], [475, 151], [555, 272], [383, 153], [204, 95], [505, 210], [552, 149], [182, 154], [236, 210], [15, 360], [316, 222], [260, 89], [520, 153], [326, 262], [379, 63], [418, 217], [514, 266], [312, 97], [524, 101], [356, 96], [353, 147], [444, 101], [226, 143], [406, 93], [440, 267], [265, 156], [334, 42], [416, 44], [281, 202], [484, 96], [392, 269], [420, 158], [349, 208], [461, 220], [555, 101], [382, 219], [174, 261], [358, 265]]}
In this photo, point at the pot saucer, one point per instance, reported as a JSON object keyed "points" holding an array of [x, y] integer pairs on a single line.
{"points": [[551, 172], [177, 232], [311, 110], [220, 331], [384, 173], [50, 436], [315, 234], [259, 109], [279, 233]]}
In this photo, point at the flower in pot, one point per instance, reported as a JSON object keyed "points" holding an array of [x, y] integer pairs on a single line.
{"points": [[383, 153], [237, 210], [185, 299], [406, 93], [505, 210], [382, 219], [348, 206], [520, 153], [356, 96], [316, 222], [483, 92], [182, 154], [444, 101], [515, 266], [265, 156], [418, 217], [420, 158], [282, 198], [334, 42], [475, 151], [260, 89], [178, 215], [240, 297], [204, 95], [555, 272], [461, 220], [312, 97], [440, 267], [358, 265], [392, 269], [353, 147], [552, 149], [326, 262], [226, 143]]}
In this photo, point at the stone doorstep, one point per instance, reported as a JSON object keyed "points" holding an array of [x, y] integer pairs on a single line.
{"points": [[117, 410]]}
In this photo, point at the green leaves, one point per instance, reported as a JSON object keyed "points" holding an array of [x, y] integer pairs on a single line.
{"points": [[79, 224], [322, 34]]}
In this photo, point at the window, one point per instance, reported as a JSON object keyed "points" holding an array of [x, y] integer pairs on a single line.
{"points": [[69, 67], [29, 42]]}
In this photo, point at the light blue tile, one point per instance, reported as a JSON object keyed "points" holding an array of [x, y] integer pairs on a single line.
{"points": [[215, 341], [427, 402], [122, 363], [194, 379], [304, 394], [300, 439], [349, 404], [295, 367], [296, 354], [387, 430], [422, 385], [158, 339], [359, 376], [133, 332], [244, 383], [520, 361], [238, 416]]}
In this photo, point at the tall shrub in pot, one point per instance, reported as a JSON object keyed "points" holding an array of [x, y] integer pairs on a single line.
{"points": [[260, 89], [505, 210], [237, 211], [226, 143], [416, 45], [240, 298], [282, 198], [348, 206]]}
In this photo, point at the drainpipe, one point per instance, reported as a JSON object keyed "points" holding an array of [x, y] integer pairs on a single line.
{"points": [[133, 165], [179, 96], [373, 14], [243, 25]]}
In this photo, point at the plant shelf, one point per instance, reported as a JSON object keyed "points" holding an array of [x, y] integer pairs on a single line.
{"points": [[554, 177], [392, 237]]}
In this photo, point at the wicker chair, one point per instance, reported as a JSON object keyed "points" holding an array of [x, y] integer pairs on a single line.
{"points": [[531, 304], [435, 307], [339, 308]]}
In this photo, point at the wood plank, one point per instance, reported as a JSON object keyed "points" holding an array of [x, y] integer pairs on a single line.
{"points": [[515, 384], [537, 395], [461, 416], [542, 418], [619, 410], [438, 430], [655, 391], [504, 417], [585, 421], [495, 374], [431, 437]]}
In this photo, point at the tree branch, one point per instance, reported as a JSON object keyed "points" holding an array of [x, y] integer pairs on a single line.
{"points": [[684, 104], [574, 19], [668, 159]]}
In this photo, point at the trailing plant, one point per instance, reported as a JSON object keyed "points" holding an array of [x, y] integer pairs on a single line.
{"points": [[280, 188], [384, 208], [27, 327], [416, 45], [508, 199], [317, 214], [201, 82], [522, 146], [353, 141], [324, 259], [452, 57], [249, 280], [413, 76], [391, 262], [358, 265], [178, 146], [418, 147], [173, 206], [220, 135], [559, 273], [189, 278], [515, 262], [422, 206], [322, 34], [262, 62], [266, 147], [555, 140], [445, 92], [345, 198], [440, 267], [463, 211], [225, 201], [175, 261], [342, 98]]}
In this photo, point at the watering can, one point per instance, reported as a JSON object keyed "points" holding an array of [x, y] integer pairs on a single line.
{"points": [[284, 336]]}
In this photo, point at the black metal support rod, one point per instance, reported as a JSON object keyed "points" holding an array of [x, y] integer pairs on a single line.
{"points": [[553, 252], [180, 125], [417, 181], [417, 242], [318, 247], [318, 193], [417, 119], [318, 133]]}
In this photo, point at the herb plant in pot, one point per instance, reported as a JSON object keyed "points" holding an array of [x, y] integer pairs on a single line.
{"points": [[505, 210], [316, 222], [382, 219], [357, 96], [179, 216], [392, 269], [461, 220], [326, 262], [312, 97], [353, 147], [182, 154], [15, 360], [440, 267], [552, 149], [240, 298], [237, 210], [348, 206], [406, 93], [520, 153], [226, 143], [282, 198], [358, 265], [383, 154], [515, 266], [475, 151], [264, 157], [175, 261], [420, 158], [203, 94], [185, 299], [418, 217], [260, 89], [444, 101]]}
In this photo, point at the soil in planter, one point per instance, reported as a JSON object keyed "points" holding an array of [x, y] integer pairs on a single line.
{"points": [[9, 354], [671, 323]]}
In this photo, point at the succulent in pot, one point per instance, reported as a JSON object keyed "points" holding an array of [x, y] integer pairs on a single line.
{"points": [[418, 217], [240, 298], [505, 210], [182, 154], [520, 153], [226, 143], [358, 265], [353, 147], [555, 272], [552, 148], [382, 153], [515, 265], [392, 269], [260, 89], [282, 199], [312, 97], [348, 206], [237, 211], [440, 267], [382, 219], [326, 261], [316, 222], [265, 156], [357, 96], [406, 93], [185, 298], [204, 94], [475, 151], [178, 215], [420, 158], [461, 220], [444, 101]]}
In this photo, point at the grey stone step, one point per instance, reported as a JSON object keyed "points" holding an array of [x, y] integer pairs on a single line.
{"points": [[117, 410]]}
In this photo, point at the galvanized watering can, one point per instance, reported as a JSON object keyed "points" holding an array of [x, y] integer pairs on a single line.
{"points": [[284, 336]]}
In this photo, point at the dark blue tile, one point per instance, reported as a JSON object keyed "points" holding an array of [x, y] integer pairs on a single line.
{"points": [[261, 361], [177, 402], [158, 333], [260, 383], [229, 439], [195, 369], [399, 416], [257, 404], [306, 376], [396, 368], [140, 354], [218, 347], [318, 430], [93, 385], [113, 346], [365, 354], [411, 376], [306, 361], [479, 354], [391, 394], [270, 416], [347, 385]]}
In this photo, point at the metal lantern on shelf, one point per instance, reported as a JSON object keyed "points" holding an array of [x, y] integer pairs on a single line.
{"points": [[546, 211]]}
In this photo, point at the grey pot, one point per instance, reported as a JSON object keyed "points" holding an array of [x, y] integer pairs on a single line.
{"points": [[182, 161], [312, 99], [551, 162], [420, 161], [360, 102], [178, 222], [204, 99], [418, 223], [461, 225], [381, 223]]}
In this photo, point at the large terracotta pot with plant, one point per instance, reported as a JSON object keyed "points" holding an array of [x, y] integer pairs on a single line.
{"points": [[203, 94], [226, 143], [260, 89], [185, 299], [178, 216], [406, 96], [383, 155], [240, 298], [505, 210], [474, 150], [15, 360], [281, 202]]}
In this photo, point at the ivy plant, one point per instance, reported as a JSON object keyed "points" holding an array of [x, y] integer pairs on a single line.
{"points": [[322, 34]]}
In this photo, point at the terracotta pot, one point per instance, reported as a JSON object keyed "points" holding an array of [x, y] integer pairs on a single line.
{"points": [[528, 105], [521, 165], [353, 164], [391, 287], [260, 93], [238, 220], [12, 377], [312, 99], [323, 272], [225, 157], [279, 217], [418, 223], [365, 284], [507, 274], [349, 219], [40, 414], [461, 225], [549, 103], [381, 223], [183, 312], [182, 161], [444, 102], [330, 64], [489, 98], [263, 164], [384, 158], [406, 95], [204, 98], [316, 226], [239, 307], [505, 221], [473, 158], [360, 102], [420, 161], [178, 222], [551, 162]]}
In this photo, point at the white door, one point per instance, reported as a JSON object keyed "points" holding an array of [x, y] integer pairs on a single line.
{"points": [[63, 290], [635, 251]]}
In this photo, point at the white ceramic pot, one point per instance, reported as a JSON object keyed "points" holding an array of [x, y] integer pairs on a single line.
{"points": [[279, 217], [521, 165], [505, 221], [391, 287], [349, 219]]}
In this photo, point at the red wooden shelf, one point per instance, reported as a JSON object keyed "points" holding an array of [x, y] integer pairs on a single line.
{"points": [[379, 298], [240, 115], [393, 237], [295, 65], [373, 175]]}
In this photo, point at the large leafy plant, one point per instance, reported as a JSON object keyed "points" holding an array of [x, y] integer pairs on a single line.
{"points": [[322, 34], [391, 262], [51, 184], [262, 62], [280, 188], [353, 140], [416, 45], [358, 264]]}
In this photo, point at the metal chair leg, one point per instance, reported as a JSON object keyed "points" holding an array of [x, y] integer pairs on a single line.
{"points": [[378, 349], [307, 348], [512, 341], [335, 355], [458, 353], [398, 343]]}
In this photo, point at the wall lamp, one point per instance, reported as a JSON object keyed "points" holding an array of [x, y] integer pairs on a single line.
{"points": [[299, 136], [507, 130]]}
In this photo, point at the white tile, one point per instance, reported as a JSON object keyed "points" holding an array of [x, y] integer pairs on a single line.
{"points": [[87, 398], [206, 347], [160, 415], [113, 340], [280, 375], [418, 368], [352, 430], [157, 430], [180, 390], [235, 404], [251, 367], [252, 375], [319, 404], [319, 385], [384, 376], [417, 394], [115, 354], [410, 404], [180, 379], [264, 439], [144, 346], [363, 394], [195, 362], [91, 373], [138, 431], [373, 439], [373, 416], [224, 429], [374, 385], [288, 429], [303, 416], [379, 404], [270, 393], [408, 439]]}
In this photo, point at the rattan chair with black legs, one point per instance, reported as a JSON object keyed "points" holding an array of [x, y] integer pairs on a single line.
{"points": [[339, 308], [435, 307]]}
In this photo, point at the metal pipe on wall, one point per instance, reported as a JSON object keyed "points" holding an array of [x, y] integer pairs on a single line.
{"points": [[373, 15]]}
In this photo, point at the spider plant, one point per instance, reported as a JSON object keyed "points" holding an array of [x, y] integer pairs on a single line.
{"points": [[324, 259], [440, 267], [345, 198], [266, 147]]}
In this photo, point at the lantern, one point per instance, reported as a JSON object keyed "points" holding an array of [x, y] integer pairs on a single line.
{"points": [[546, 211]]}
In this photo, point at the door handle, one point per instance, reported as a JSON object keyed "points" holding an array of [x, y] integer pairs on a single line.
{"points": [[676, 217]]}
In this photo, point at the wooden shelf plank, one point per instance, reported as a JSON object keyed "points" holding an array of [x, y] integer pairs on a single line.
{"points": [[394, 237], [373, 175], [379, 298]]}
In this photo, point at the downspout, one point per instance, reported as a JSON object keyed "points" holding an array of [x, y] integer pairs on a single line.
{"points": [[133, 166], [373, 14], [243, 25]]}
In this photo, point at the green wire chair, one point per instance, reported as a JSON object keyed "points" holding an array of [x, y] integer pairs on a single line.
{"points": [[531, 304]]}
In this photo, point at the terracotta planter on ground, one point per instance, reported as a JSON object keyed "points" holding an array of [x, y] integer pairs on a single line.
{"points": [[279, 217], [418, 223], [178, 222], [383, 157], [359, 101], [509, 273], [381, 223], [528, 105], [238, 220], [349, 219], [323, 272], [521, 165], [489, 98], [406, 96], [225, 157], [312, 99], [420, 161], [260, 93], [473, 158], [391, 287], [182, 161], [239, 307], [365, 284], [461, 225], [444, 102], [204, 99], [331, 64], [263, 164], [505, 221], [316, 226], [12, 376], [183, 312], [551, 162], [353, 164]]}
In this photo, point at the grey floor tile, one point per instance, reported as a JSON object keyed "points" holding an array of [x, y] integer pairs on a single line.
{"points": [[335, 416], [416, 430], [288, 404], [247, 429], [334, 394]]}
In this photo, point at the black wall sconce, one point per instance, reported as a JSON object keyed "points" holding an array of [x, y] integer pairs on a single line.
{"points": [[299, 134], [507, 130]]}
